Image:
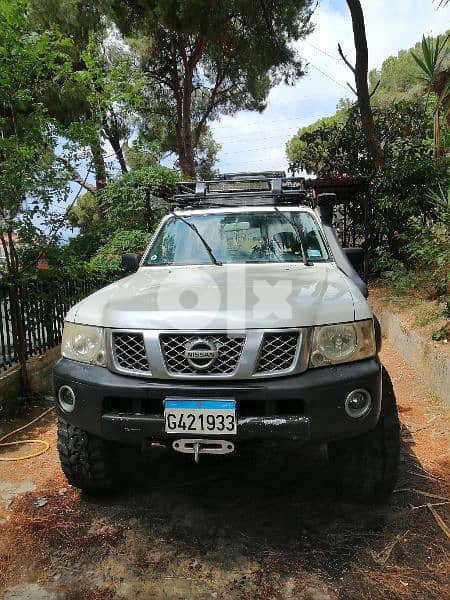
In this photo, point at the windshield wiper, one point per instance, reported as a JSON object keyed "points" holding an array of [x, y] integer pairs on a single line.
{"points": [[200, 237], [299, 233]]}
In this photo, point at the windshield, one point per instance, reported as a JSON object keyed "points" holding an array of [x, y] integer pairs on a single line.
{"points": [[254, 237]]}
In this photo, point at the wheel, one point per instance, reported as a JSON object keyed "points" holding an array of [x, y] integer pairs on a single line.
{"points": [[85, 459], [364, 469]]}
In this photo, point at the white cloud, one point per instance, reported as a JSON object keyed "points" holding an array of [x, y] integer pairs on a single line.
{"points": [[252, 141]]}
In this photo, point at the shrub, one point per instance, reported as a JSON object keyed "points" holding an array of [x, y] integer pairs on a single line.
{"points": [[108, 257]]}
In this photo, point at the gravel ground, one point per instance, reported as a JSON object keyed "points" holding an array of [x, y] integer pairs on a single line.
{"points": [[257, 524]]}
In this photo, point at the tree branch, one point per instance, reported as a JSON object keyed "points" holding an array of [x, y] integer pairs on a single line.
{"points": [[64, 216], [345, 59], [375, 88], [209, 107], [352, 88], [75, 175]]}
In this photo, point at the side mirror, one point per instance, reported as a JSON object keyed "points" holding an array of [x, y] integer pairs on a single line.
{"points": [[355, 257], [130, 262]]}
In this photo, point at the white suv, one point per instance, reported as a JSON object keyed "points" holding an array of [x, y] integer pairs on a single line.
{"points": [[243, 320]]}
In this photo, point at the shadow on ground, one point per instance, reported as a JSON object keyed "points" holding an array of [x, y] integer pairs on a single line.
{"points": [[261, 523]]}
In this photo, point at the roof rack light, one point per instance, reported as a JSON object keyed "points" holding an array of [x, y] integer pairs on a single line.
{"points": [[243, 185]]}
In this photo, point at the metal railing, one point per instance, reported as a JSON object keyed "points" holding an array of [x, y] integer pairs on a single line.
{"points": [[43, 305]]}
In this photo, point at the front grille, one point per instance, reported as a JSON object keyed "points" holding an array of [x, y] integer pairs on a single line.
{"points": [[278, 352], [129, 351], [229, 349]]}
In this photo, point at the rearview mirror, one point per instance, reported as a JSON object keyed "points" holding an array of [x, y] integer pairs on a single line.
{"points": [[130, 261], [234, 227]]}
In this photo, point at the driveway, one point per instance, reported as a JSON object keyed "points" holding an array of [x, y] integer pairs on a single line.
{"points": [[260, 524]]}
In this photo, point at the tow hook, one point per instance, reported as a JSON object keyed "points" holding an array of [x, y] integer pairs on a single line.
{"points": [[202, 446]]}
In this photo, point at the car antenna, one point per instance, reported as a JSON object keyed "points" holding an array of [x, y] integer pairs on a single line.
{"points": [[201, 238], [299, 233]]}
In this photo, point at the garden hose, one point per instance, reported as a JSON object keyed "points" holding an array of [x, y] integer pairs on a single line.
{"points": [[45, 445]]}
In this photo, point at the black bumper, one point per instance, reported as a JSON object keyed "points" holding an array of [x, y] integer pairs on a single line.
{"points": [[305, 407]]}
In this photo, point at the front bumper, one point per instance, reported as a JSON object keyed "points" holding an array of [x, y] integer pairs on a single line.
{"points": [[308, 407]]}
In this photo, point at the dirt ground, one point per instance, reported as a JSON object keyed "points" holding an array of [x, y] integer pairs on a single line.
{"points": [[260, 524]]}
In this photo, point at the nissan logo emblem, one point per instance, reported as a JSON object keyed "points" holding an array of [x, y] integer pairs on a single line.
{"points": [[201, 354]]}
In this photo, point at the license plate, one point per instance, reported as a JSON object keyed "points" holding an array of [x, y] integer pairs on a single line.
{"points": [[208, 417]]}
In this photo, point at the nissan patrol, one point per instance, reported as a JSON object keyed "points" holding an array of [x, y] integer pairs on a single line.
{"points": [[243, 320]]}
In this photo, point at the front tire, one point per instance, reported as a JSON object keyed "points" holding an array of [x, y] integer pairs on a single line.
{"points": [[365, 468], [85, 459]]}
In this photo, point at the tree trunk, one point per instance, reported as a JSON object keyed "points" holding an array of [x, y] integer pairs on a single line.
{"points": [[116, 146], [436, 135], [362, 88], [99, 165], [110, 127], [100, 174], [189, 153]]}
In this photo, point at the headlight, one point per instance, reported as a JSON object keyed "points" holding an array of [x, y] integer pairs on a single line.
{"points": [[84, 343], [342, 343]]}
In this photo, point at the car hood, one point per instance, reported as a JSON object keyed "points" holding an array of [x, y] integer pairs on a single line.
{"points": [[225, 297]]}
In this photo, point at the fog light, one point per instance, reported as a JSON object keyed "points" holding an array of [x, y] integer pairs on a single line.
{"points": [[66, 398], [358, 403]]}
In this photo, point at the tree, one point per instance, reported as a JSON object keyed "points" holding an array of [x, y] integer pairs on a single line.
{"points": [[30, 184], [67, 104], [202, 58], [96, 105], [336, 147], [396, 80], [132, 206], [360, 72], [435, 75]]}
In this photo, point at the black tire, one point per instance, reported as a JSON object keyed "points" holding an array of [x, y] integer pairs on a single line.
{"points": [[85, 459], [365, 468]]}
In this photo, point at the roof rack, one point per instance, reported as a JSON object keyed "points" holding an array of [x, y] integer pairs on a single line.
{"points": [[241, 189]]}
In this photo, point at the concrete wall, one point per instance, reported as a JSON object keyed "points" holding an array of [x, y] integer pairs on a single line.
{"points": [[431, 365], [39, 372]]}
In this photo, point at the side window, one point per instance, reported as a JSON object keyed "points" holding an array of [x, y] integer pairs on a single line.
{"points": [[315, 248]]}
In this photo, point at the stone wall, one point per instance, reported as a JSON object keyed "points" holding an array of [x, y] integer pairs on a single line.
{"points": [[430, 364], [39, 372]]}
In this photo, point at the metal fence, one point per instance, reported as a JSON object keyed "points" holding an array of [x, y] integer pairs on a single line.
{"points": [[43, 305]]}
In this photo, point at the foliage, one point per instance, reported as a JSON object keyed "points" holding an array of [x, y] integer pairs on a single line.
{"points": [[29, 179], [336, 145], [434, 52], [96, 105], [108, 257], [129, 200], [84, 213], [202, 62], [406, 195], [330, 146], [399, 196], [143, 153], [436, 78], [398, 78], [206, 156], [421, 262]]}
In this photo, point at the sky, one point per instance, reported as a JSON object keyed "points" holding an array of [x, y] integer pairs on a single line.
{"points": [[253, 141]]}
